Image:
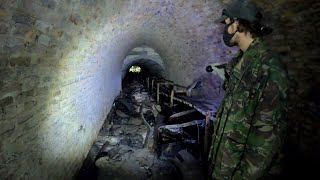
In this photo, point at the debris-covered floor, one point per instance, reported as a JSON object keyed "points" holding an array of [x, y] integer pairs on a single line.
{"points": [[127, 146]]}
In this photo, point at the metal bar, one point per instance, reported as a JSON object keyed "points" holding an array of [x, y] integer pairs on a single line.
{"points": [[148, 84], [206, 135], [158, 96], [171, 98], [152, 83]]}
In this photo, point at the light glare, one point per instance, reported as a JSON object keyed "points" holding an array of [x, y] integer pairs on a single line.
{"points": [[135, 69]]}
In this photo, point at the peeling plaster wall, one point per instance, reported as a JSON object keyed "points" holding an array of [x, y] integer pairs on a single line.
{"points": [[61, 62]]}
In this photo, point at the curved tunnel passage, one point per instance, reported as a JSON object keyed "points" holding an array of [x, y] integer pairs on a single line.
{"points": [[147, 58], [61, 68]]}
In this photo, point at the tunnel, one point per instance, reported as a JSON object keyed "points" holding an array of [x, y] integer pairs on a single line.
{"points": [[146, 58], [62, 65]]}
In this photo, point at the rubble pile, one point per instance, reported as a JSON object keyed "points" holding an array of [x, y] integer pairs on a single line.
{"points": [[126, 147]]}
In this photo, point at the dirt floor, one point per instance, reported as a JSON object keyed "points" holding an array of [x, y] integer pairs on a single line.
{"points": [[125, 148]]}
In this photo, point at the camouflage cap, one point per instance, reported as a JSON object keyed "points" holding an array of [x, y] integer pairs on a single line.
{"points": [[240, 9]]}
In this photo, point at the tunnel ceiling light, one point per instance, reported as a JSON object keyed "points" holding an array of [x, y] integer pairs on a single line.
{"points": [[135, 69]]}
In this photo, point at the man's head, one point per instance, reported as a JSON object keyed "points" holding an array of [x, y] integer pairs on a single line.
{"points": [[243, 23]]}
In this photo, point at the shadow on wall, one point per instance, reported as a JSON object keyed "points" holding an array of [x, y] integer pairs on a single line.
{"points": [[296, 39]]}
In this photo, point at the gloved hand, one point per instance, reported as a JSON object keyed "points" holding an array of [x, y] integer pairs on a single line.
{"points": [[209, 68], [217, 71]]}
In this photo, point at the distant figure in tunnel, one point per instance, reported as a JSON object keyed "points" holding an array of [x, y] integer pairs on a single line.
{"points": [[251, 121]]}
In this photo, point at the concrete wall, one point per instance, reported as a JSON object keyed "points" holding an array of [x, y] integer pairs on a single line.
{"points": [[61, 69], [296, 38], [61, 62], [57, 83]]}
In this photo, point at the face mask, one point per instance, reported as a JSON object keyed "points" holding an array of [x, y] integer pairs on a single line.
{"points": [[227, 37]]}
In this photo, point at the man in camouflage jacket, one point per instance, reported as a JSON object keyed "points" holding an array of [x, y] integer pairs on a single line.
{"points": [[250, 123]]}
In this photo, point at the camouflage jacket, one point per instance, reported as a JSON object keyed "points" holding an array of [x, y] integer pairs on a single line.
{"points": [[250, 122]]}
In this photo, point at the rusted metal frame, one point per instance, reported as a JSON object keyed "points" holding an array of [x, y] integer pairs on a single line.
{"points": [[190, 105], [153, 82], [158, 89], [175, 88], [164, 81], [171, 96], [175, 91], [148, 83]]}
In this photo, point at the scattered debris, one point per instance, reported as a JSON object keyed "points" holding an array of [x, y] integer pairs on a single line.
{"points": [[136, 141], [149, 117], [121, 114]]}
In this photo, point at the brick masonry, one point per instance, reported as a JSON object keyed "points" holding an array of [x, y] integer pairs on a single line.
{"points": [[60, 68]]}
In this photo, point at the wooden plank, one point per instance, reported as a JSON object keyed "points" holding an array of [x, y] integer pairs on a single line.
{"points": [[171, 98], [148, 84], [183, 113], [206, 135], [152, 83], [180, 91], [174, 126], [158, 96]]}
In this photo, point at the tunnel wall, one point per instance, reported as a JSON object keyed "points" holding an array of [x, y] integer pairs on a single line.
{"points": [[146, 57], [61, 68], [296, 40], [60, 71]]}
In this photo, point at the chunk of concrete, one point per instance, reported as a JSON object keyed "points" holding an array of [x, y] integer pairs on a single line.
{"points": [[22, 19], [42, 26], [44, 40]]}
